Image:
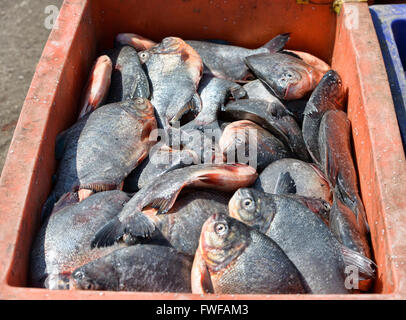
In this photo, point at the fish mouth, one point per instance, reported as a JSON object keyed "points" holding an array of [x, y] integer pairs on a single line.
{"points": [[233, 204]]}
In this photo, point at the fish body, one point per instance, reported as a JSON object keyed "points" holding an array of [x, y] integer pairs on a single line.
{"points": [[181, 227], [174, 69], [102, 148], [308, 180], [302, 235], [328, 95], [227, 61], [63, 242], [145, 268], [98, 85], [338, 165], [234, 258]]}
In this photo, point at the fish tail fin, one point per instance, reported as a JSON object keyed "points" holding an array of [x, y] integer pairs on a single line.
{"points": [[285, 184], [278, 43], [365, 266]]}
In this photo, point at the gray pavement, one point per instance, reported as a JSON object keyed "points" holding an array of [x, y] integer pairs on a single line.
{"points": [[22, 38]]}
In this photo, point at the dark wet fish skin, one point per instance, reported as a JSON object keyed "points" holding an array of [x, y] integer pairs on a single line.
{"points": [[213, 93], [128, 79], [247, 138], [309, 180], [144, 268], [174, 69], [272, 116], [258, 91], [241, 260], [102, 148], [157, 163], [344, 225], [303, 236], [297, 108], [289, 78], [181, 227], [63, 242], [337, 163], [227, 61], [161, 193], [328, 95]]}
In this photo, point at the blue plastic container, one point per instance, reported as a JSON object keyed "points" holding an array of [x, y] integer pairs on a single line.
{"points": [[390, 26]]}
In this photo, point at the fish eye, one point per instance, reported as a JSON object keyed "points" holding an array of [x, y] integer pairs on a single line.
{"points": [[78, 275], [221, 228], [247, 202], [143, 56]]}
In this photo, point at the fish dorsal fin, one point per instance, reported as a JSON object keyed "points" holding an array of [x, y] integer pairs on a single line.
{"points": [[285, 184], [277, 43]]}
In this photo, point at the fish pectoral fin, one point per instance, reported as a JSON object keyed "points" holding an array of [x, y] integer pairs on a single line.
{"points": [[136, 225], [163, 205], [139, 225], [108, 234], [285, 184], [200, 276], [365, 266], [194, 105]]}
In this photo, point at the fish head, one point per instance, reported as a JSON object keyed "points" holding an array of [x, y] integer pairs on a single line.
{"points": [[238, 137], [289, 82], [222, 240], [138, 42], [143, 107], [91, 276], [243, 206], [176, 46], [250, 207]]}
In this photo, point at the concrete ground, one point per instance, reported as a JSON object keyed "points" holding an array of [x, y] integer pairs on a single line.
{"points": [[22, 38]]}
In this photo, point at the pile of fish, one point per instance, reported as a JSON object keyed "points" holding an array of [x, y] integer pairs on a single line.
{"points": [[198, 166]]}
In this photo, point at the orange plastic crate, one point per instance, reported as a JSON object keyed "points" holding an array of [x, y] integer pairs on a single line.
{"points": [[348, 41]]}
